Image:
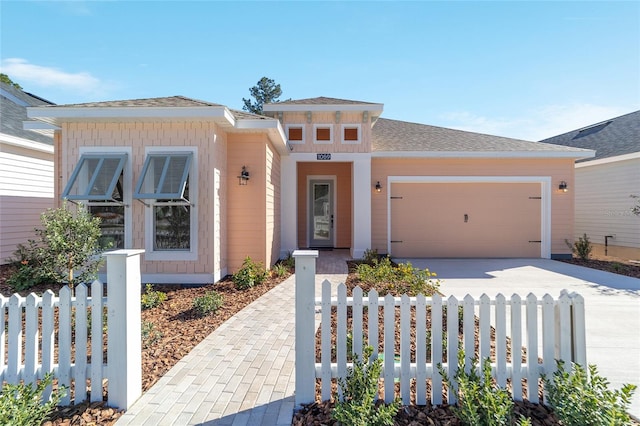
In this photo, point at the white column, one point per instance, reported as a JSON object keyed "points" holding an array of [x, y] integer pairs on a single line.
{"points": [[288, 197], [305, 325], [362, 188], [124, 351]]}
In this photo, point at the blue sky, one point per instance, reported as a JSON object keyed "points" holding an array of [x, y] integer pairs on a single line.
{"points": [[527, 70]]}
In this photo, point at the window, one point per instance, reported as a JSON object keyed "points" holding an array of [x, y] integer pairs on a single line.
{"points": [[166, 184], [323, 133], [350, 133], [98, 180], [295, 133]]}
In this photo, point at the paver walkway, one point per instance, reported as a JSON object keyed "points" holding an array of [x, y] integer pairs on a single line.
{"points": [[241, 374]]}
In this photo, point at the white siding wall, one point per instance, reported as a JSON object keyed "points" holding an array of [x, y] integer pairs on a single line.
{"points": [[603, 203], [26, 190]]}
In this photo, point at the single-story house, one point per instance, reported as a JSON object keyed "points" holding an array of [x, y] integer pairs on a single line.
{"points": [[26, 171], [201, 186], [605, 183]]}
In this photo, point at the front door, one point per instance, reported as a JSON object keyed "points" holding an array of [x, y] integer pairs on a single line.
{"points": [[321, 217]]}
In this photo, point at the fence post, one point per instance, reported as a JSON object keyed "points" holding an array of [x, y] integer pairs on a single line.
{"points": [[305, 277], [124, 351]]}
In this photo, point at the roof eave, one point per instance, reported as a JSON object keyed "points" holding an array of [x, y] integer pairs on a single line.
{"points": [[274, 130], [484, 154], [277, 107]]}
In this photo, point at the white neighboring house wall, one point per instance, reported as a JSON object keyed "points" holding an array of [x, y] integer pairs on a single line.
{"points": [[26, 190], [603, 203]]}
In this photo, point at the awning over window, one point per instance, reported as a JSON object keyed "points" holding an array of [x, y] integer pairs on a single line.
{"points": [[96, 178], [164, 177]]}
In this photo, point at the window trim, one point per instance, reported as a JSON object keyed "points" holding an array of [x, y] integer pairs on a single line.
{"points": [[296, 126], [344, 127], [149, 210], [163, 195], [107, 196], [315, 133]]}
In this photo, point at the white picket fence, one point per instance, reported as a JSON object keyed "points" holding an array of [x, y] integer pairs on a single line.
{"points": [[49, 334], [556, 326]]}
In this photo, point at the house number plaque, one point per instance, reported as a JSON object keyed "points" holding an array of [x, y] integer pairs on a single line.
{"points": [[323, 156]]}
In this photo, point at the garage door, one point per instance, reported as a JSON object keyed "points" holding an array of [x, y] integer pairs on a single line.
{"points": [[465, 220]]}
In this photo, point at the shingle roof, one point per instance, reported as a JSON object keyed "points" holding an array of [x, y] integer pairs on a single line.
{"points": [[13, 111], [394, 135], [617, 136], [323, 100], [163, 102]]}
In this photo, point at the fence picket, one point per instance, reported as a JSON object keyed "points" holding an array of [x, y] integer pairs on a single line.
{"points": [[64, 342], [579, 340], [501, 341], [421, 350], [548, 334], [516, 344], [436, 348], [325, 355], [96, 341], [452, 344], [341, 350], [532, 348], [405, 350], [389, 347], [357, 330], [48, 336], [564, 325], [80, 376], [15, 339], [484, 335], [373, 322], [31, 338], [469, 330]]}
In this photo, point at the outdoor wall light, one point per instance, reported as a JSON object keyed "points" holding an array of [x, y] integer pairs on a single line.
{"points": [[563, 186], [378, 187], [244, 176]]}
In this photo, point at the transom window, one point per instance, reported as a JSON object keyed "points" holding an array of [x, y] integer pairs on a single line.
{"points": [[350, 133], [295, 133], [323, 133], [164, 182]]}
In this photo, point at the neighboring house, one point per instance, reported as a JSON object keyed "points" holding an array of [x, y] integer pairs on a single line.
{"points": [[201, 186], [605, 183], [26, 171]]}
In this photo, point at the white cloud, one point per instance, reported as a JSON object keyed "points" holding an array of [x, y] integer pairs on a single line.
{"points": [[21, 70], [537, 124]]}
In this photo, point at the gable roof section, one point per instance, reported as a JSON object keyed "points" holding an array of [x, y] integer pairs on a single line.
{"points": [[610, 138], [323, 103], [394, 138], [13, 110]]}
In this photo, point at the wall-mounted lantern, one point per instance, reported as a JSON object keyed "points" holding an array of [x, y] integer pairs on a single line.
{"points": [[563, 186], [378, 187], [244, 176]]}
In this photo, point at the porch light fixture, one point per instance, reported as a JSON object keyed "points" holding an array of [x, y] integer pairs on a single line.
{"points": [[378, 187], [244, 176], [563, 186]]}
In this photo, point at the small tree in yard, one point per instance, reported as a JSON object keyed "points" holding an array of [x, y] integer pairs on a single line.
{"points": [[636, 208], [65, 250]]}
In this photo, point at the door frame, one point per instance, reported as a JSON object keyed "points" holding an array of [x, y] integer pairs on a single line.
{"points": [[545, 205], [332, 179]]}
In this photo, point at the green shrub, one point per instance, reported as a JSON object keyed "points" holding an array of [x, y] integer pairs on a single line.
{"points": [[65, 250], [371, 255], [150, 336], [250, 274], [581, 248], [209, 303], [280, 270], [480, 402], [289, 261], [21, 405], [152, 298], [359, 390], [398, 280], [582, 397]]}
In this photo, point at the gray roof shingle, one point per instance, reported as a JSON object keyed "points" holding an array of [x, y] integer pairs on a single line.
{"points": [[323, 100], [13, 111], [610, 138], [394, 135]]}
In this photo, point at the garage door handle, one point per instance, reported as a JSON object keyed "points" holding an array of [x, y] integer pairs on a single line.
{"points": [[466, 218]]}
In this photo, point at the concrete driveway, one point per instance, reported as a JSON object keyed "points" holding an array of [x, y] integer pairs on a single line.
{"points": [[612, 303]]}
